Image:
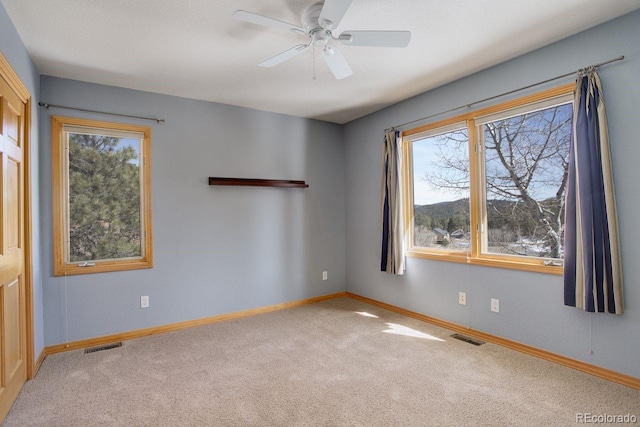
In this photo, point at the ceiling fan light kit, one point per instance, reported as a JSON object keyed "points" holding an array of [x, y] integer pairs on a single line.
{"points": [[318, 22]]}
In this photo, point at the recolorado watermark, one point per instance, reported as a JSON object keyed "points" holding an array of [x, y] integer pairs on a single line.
{"points": [[588, 418]]}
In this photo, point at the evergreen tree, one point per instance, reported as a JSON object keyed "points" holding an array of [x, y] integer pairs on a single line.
{"points": [[104, 198]]}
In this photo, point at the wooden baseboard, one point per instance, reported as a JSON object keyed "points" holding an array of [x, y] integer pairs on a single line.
{"points": [[513, 345], [37, 364], [106, 339]]}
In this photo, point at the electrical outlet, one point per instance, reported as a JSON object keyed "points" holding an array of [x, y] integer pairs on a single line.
{"points": [[144, 301], [495, 305], [324, 275], [462, 298]]}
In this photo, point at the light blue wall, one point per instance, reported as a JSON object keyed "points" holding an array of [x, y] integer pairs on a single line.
{"points": [[531, 304], [14, 51], [216, 249]]}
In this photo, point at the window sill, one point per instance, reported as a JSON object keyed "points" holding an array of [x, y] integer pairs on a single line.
{"points": [[532, 265], [102, 267]]}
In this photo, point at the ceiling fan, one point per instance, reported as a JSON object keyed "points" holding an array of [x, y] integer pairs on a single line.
{"points": [[318, 22]]}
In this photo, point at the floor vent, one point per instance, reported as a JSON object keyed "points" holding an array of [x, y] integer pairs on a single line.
{"points": [[467, 339], [103, 347]]}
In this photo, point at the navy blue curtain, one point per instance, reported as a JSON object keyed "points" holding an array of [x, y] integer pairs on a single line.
{"points": [[592, 268]]}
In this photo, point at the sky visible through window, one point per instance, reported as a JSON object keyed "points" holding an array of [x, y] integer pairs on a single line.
{"points": [[133, 143], [430, 156]]}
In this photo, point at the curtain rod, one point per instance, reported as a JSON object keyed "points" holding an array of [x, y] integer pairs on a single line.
{"points": [[619, 58], [46, 105]]}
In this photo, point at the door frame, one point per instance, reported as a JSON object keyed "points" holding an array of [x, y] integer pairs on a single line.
{"points": [[12, 78]]}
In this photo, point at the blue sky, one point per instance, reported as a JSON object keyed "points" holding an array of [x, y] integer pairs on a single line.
{"points": [[425, 151], [548, 172], [133, 143]]}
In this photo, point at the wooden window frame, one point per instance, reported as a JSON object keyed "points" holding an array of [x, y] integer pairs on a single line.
{"points": [[61, 265], [477, 191]]}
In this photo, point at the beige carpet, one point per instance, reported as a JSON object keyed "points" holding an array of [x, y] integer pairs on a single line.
{"points": [[335, 363]]}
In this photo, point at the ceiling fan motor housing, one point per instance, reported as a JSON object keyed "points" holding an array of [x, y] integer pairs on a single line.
{"points": [[319, 32]]}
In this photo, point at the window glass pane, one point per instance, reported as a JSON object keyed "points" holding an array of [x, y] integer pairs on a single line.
{"points": [[441, 191], [525, 174], [104, 205]]}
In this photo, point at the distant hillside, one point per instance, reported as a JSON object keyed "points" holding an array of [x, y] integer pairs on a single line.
{"points": [[454, 215], [444, 210]]}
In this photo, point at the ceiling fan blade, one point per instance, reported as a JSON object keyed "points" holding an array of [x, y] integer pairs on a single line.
{"points": [[332, 13], [287, 54], [336, 63], [376, 38], [254, 18]]}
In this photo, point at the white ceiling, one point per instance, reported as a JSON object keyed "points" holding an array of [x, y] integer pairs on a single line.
{"points": [[194, 49]]}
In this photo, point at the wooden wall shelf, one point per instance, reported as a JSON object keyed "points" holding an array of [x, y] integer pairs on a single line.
{"points": [[252, 182]]}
